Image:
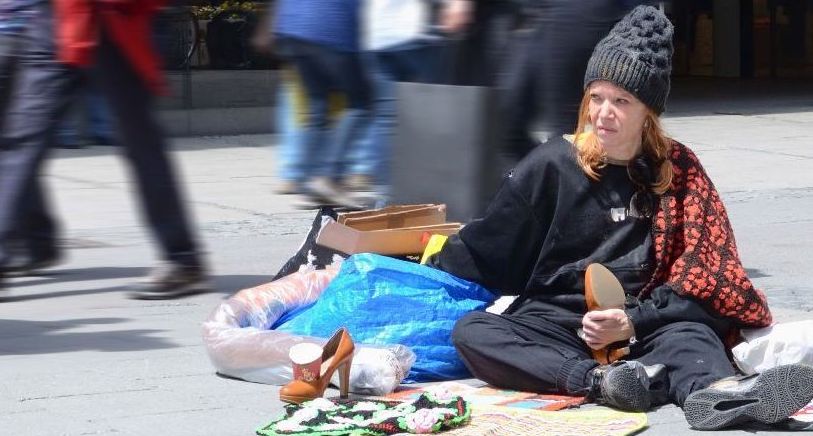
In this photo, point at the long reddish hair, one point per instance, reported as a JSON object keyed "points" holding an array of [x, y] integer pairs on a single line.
{"points": [[656, 146]]}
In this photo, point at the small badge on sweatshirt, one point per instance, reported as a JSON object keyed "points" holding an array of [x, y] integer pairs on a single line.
{"points": [[618, 214]]}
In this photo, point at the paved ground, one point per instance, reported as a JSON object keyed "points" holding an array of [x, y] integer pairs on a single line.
{"points": [[78, 358]]}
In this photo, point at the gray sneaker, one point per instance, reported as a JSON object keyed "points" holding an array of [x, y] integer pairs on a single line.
{"points": [[768, 397], [625, 385], [171, 280]]}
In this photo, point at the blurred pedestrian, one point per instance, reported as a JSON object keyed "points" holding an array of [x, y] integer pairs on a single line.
{"points": [[291, 113], [320, 39], [12, 22], [32, 240], [290, 123], [89, 123], [406, 41], [61, 40], [541, 81]]}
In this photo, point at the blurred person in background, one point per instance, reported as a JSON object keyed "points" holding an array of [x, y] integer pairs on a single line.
{"points": [[549, 49], [405, 42], [60, 41], [482, 41], [291, 113], [290, 119], [13, 15], [89, 121], [320, 38], [32, 241]]}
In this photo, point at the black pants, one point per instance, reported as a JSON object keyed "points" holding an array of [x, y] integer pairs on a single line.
{"points": [[524, 351], [42, 93], [544, 74]]}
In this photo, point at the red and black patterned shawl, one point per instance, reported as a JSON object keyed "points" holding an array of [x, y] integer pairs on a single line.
{"points": [[695, 250]]}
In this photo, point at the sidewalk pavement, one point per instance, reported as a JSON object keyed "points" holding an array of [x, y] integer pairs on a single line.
{"points": [[78, 358]]}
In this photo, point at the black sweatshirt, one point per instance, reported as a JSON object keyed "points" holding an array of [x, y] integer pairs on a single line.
{"points": [[547, 223]]}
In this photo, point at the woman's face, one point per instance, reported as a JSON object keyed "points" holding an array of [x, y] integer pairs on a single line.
{"points": [[617, 118]]}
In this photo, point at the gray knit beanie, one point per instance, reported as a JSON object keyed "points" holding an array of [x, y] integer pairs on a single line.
{"points": [[637, 56]]}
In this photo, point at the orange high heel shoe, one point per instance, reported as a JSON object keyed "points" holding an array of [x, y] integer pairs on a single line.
{"points": [[602, 290], [336, 354]]}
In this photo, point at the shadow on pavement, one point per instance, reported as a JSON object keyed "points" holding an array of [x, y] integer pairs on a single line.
{"points": [[56, 294], [222, 284], [22, 337], [754, 273], [81, 275]]}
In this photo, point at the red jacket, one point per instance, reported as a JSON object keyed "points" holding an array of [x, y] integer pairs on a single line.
{"points": [[128, 22]]}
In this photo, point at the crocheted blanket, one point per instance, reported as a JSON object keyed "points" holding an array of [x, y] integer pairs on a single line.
{"points": [[431, 412], [695, 250]]}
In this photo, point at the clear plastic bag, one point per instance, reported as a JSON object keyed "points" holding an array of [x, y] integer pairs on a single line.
{"points": [[241, 344], [779, 344]]}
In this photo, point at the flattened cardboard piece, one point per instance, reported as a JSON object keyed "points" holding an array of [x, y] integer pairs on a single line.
{"points": [[424, 216], [342, 217], [409, 240]]}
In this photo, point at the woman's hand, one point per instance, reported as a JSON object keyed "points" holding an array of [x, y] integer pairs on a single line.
{"points": [[603, 327]]}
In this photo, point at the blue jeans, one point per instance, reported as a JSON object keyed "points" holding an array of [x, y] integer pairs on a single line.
{"points": [[291, 151], [94, 110], [324, 70], [413, 62]]}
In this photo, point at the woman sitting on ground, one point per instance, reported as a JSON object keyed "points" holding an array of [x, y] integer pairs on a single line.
{"points": [[622, 194]]}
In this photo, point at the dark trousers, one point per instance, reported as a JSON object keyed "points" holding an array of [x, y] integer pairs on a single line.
{"points": [[524, 351], [544, 74], [324, 70], [42, 93], [35, 230], [9, 46], [479, 57]]}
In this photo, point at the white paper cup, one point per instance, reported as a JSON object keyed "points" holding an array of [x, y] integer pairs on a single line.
{"points": [[306, 359]]}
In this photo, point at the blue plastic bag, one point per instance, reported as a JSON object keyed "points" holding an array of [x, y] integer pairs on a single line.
{"points": [[382, 300]]}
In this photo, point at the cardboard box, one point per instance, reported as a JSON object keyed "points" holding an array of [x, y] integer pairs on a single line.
{"points": [[395, 230], [395, 217], [343, 216]]}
